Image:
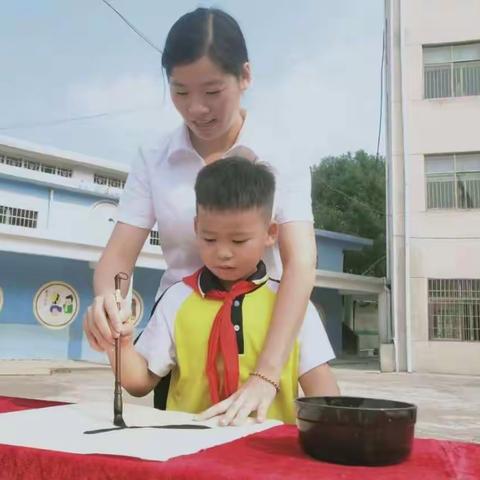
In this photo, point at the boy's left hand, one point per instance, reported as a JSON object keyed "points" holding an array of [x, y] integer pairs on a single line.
{"points": [[255, 395]]}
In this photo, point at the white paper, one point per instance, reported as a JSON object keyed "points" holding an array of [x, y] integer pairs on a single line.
{"points": [[61, 428]]}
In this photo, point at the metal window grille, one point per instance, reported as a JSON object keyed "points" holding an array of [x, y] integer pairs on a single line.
{"points": [[34, 165], [456, 185], [18, 217], [454, 309], [452, 70], [154, 238], [109, 181], [12, 161]]}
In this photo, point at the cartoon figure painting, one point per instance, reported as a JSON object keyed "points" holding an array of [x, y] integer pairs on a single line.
{"points": [[56, 304]]}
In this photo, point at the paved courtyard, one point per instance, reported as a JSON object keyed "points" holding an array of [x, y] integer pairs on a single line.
{"points": [[448, 405]]}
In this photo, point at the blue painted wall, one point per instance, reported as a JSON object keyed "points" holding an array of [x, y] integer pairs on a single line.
{"points": [[329, 255], [25, 188], [22, 275], [331, 302]]}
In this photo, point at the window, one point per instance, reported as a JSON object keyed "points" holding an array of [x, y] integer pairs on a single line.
{"points": [[454, 309], [34, 165], [154, 238], [109, 181], [18, 217], [453, 180], [452, 70]]}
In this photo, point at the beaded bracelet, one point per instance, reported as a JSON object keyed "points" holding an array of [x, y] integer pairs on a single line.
{"points": [[266, 379]]}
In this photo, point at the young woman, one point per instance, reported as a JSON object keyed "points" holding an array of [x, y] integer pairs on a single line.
{"points": [[206, 62]]}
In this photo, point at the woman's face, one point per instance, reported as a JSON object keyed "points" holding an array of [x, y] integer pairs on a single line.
{"points": [[207, 98]]}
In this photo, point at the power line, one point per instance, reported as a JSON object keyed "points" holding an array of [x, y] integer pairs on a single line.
{"points": [[353, 199], [373, 264], [132, 27], [381, 92], [60, 121]]}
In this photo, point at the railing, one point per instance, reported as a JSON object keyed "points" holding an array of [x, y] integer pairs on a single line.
{"points": [[154, 238], [454, 79], [109, 181], [33, 165], [18, 217], [454, 309], [450, 191]]}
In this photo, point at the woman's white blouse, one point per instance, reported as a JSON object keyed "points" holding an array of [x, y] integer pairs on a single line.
{"points": [[160, 190]]}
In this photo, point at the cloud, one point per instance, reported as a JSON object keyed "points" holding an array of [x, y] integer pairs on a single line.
{"points": [[325, 104], [319, 107], [144, 112]]}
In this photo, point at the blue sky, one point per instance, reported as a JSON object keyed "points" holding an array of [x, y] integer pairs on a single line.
{"points": [[316, 67]]}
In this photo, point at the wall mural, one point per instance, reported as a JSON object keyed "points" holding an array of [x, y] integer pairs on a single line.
{"points": [[56, 304], [137, 308]]}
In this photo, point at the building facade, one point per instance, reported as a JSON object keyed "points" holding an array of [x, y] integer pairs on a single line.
{"points": [[57, 210], [433, 150]]}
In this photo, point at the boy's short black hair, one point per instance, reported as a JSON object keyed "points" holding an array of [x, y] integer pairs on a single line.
{"points": [[235, 183]]}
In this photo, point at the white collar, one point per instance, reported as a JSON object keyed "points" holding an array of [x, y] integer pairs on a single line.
{"points": [[180, 141]]}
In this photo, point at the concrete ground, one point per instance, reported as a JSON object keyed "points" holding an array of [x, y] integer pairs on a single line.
{"points": [[448, 405]]}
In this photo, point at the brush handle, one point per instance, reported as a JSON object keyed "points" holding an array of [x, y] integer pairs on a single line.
{"points": [[117, 401], [117, 398]]}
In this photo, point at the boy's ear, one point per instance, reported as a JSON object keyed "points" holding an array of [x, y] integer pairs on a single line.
{"points": [[195, 224], [272, 234]]}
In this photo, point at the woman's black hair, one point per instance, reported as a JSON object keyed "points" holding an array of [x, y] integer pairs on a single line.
{"points": [[206, 31]]}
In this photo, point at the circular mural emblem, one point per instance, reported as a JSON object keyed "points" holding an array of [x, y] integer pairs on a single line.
{"points": [[137, 308], [55, 305]]}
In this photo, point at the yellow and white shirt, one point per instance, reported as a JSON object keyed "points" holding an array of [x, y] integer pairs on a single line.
{"points": [[176, 340]]}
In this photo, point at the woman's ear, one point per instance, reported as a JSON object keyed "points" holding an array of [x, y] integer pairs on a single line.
{"points": [[245, 76]]}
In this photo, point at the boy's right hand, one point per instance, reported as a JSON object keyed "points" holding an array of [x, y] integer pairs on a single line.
{"points": [[103, 322]]}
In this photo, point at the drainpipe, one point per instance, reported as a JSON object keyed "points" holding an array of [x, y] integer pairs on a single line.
{"points": [[49, 206], [391, 258], [406, 174]]}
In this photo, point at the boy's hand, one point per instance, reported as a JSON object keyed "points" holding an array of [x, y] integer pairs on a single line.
{"points": [[103, 322], [255, 395]]}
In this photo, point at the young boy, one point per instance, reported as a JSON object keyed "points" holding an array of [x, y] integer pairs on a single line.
{"points": [[209, 329]]}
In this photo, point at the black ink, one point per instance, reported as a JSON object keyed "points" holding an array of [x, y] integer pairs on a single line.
{"points": [[186, 426]]}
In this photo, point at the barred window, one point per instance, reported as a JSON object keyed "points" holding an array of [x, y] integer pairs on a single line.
{"points": [[34, 165], [18, 217], [453, 180], [109, 181], [452, 70], [154, 238], [454, 309], [14, 162]]}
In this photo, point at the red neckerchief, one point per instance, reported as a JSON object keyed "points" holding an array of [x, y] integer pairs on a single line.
{"points": [[222, 342]]}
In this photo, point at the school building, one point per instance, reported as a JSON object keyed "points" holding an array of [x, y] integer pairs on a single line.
{"points": [[57, 210], [433, 152]]}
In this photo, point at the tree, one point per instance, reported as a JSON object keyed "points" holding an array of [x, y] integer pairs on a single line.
{"points": [[348, 195]]}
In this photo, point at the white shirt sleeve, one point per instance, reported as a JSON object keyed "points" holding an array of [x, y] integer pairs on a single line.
{"points": [[315, 348], [293, 201], [156, 343], [136, 203]]}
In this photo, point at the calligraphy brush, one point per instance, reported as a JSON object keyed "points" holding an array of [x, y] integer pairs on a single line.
{"points": [[117, 399]]}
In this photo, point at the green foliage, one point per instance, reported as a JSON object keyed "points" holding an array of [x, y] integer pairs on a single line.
{"points": [[348, 195]]}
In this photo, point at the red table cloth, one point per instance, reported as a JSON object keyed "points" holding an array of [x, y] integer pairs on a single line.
{"points": [[271, 454]]}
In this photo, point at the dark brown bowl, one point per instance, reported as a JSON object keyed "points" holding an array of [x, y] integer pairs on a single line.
{"points": [[354, 430]]}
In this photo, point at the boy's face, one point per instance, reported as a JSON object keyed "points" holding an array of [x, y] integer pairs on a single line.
{"points": [[231, 243]]}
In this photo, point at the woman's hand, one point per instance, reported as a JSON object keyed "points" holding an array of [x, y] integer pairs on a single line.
{"points": [[255, 395], [103, 322]]}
